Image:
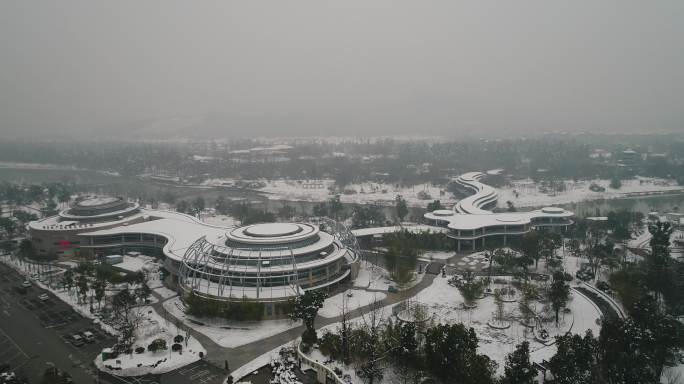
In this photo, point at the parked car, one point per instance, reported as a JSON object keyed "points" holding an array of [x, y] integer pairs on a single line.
{"points": [[392, 289], [77, 340], [26, 284], [89, 337], [43, 297]]}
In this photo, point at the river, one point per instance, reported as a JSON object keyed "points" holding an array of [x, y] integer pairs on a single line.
{"points": [[97, 182]]}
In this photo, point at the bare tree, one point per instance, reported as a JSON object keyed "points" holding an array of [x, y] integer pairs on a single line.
{"points": [[345, 329], [373, 322]]}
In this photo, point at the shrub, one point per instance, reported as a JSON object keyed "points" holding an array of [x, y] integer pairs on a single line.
{"points": [[330, 345], [585, 273], [157, 345], [602, 285], [178, 339], [140, 350], [177, 347], [309, 336]]}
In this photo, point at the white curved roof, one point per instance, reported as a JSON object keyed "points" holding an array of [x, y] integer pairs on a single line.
{"points": [[179, 229], [469, 214]]}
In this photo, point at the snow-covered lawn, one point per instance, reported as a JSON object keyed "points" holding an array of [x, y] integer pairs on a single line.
{"points": [[229, 334], [375, 278], [138, 263], [445, 302], [530, 196], [371, 277], [318, 190], [153, 327], [437, 255], [359, 298], [220, 220], [528, 192]]}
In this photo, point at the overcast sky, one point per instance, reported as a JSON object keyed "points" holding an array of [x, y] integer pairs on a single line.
{"points": [[348, 67]]}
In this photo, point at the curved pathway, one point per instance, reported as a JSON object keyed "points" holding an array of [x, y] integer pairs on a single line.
{"points": [[241, 355]]}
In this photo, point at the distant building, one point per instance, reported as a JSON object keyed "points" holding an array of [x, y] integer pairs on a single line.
{"points": [[628, 158], [472, 225]]}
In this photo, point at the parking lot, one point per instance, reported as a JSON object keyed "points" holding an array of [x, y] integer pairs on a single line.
{"points": [[35, 333], [10, 352]]}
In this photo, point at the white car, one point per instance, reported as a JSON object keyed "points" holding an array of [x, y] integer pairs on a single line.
{"points": [[26, 284], [44, 297]]}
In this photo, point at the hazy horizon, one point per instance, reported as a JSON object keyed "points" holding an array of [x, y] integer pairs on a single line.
{"points": [[317, 68]]}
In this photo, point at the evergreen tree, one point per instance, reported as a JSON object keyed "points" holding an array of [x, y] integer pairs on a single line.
{"points": [[558, 293], [401, 208], [658, 264], [435, 205], [305, 307], [519, 369], [574, 361], [451, 355]]}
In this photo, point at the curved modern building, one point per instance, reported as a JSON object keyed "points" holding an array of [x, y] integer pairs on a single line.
{"points": [[266, 263], [471, 222], [59, 235]]}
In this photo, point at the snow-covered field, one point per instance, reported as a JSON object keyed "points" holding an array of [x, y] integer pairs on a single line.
{"points": [[530, 196], [138, 263], [230, 334], [445, 302], [436, 255], [220, 220], [359, 298], [375, 278], [153, 327], [318, 190]]}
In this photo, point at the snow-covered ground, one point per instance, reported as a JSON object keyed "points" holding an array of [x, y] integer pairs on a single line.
{"points": [[153, 327], [220, 220], [375, 278], [437, 255], [165, 293], [371, 277], [138, 263], [445, 302], [359, 298], [319, 190], [258, 362], [226, 333], [528, 194]]}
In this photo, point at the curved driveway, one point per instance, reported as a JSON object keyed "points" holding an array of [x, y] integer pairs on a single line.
{"points": [[241, 355]]}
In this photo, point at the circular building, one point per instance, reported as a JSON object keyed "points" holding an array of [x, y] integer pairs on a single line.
{"points": [[269, 262], [59, 235]]}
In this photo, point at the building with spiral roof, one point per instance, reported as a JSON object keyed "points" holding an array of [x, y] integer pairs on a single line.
{"points": [[269, 262]]}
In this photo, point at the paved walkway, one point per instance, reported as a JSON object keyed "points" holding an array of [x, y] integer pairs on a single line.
{"points": [[239, 356]]}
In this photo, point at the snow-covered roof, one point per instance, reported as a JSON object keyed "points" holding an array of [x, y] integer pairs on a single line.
{"points": [[469, 213], [179, 229], [411, 228]]}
